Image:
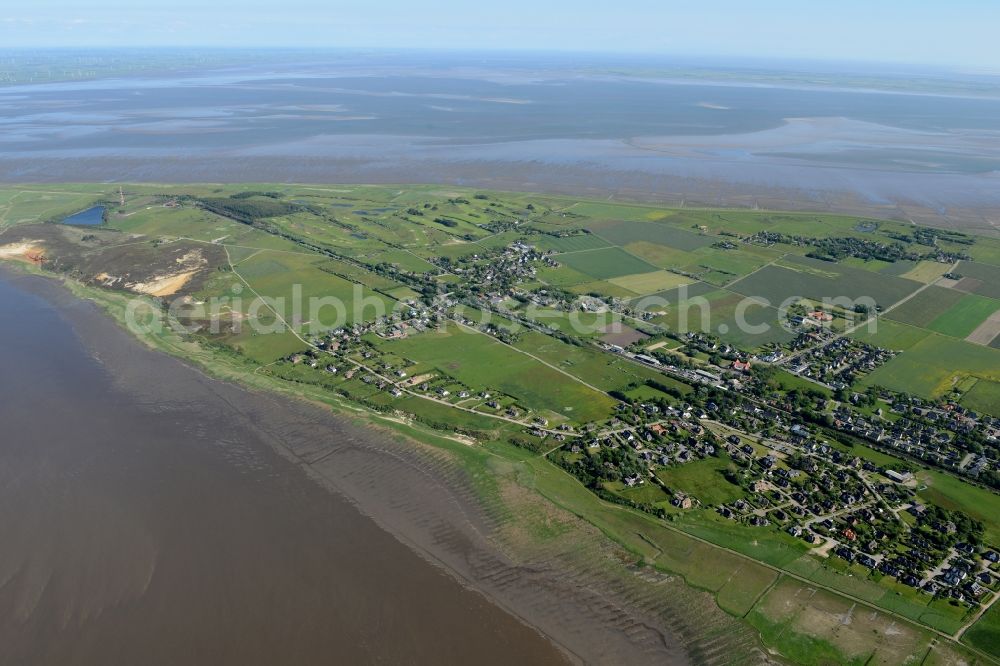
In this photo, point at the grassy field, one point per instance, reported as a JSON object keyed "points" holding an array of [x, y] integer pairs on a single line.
{"points": [[826, 629], [581, 324], [570, 243], [948, 492], [402, 259], [926, 306], [625, 232], [605, 263], [616, 211], [703, 479], [926, 271], [32, 204], [984, 279], [984, 396], [774, 548], [663, 256], [724, 266], [483, 363], [889, 595], [565, 276], [802, 277], [606, 372], [985, 634], [302, 282], [891, 335], [649, 283], [965, 316], [934, 365]]}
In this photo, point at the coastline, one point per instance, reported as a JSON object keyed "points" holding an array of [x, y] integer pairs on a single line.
{"points": [[614, 170], [607, 579], [553, 546], [580, 589]]}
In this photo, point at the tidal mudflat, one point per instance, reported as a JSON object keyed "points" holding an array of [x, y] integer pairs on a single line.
{"points": [[726, 139], [147, 518], [152, 514]]}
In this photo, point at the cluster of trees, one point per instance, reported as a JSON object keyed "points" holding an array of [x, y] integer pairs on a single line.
{"points": [[608, 465], [967, 529], [836, 249], [930, 237], [252, 194], [249, 209]]}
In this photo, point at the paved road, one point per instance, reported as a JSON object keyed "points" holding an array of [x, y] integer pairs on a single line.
{"points": [[851, 329]]}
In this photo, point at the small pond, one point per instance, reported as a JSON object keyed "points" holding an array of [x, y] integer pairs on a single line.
{"points": [[87, 218]]}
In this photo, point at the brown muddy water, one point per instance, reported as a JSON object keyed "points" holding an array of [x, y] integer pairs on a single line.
{"points": [[146, 518]]}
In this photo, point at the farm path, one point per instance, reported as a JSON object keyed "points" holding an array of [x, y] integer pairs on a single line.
{"points": [[755, 271], [982, 611], [851, 329], [6, 211], [542, 361]]}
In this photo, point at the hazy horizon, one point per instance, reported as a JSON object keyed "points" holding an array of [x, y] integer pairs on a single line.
{"points": [[958, 35]]}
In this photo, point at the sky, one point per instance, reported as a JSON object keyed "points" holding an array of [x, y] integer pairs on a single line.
{"points": [[936, 32]]}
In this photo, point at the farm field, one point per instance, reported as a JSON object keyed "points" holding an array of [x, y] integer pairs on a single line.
{"points": [[988, 332], [682, 293], [934, 365], [802, 277], [401, 258], [577, 243], [984, 396], [582, 324], [600, 370], [985, 634], [890, 334], [926, 306], [306, 283], [597, 210], [965, 316], [979, 278], [663, 256], [623, 233], [564, 276], [723, 266], [601, 288], [483, 363], [926, 271], [649, 283], [605, 263]]}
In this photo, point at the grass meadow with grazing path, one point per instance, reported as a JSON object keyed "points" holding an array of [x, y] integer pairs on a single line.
{"points": [[480, 361]]}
